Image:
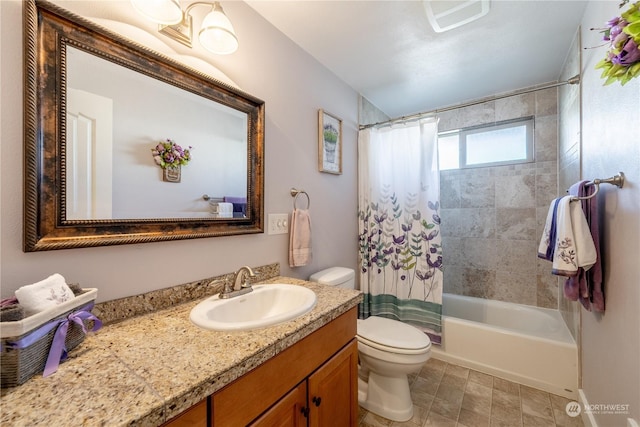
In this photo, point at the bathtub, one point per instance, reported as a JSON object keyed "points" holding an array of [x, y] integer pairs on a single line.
{"points": [[521, 343]]}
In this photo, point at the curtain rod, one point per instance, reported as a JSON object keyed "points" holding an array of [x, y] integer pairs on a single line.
{"points": [[572, 81]]}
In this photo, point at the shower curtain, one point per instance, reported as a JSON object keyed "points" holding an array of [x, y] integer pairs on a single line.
{"points": [[399, 225]]}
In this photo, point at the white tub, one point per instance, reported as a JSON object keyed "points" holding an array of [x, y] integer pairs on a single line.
{"points": [[521, 343]]}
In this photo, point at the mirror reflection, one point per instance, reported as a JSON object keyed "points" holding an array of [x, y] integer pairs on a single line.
{"points": [[96, 107], [116, 117]]}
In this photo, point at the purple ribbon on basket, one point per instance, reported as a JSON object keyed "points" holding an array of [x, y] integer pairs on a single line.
{"points": [[58, 350]]}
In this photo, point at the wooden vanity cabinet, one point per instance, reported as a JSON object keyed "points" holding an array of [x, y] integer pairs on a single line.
{"points": [[333, 390], [194, 416], [290, 411], [314, 383], [325, 398]]}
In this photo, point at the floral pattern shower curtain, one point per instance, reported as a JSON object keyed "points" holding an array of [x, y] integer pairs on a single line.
{"points": [[399, 225]]}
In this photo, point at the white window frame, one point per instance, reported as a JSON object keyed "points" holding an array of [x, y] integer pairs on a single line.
{"points": [[529, 123]]}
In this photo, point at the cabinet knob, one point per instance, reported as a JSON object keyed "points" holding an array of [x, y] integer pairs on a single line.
{"points": [[316, 400], [305, 411]]}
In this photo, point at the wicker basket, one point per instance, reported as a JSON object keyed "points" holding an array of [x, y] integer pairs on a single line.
{"points": [[17, 365]]}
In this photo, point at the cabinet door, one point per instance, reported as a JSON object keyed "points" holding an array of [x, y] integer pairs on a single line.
{"points": [[194, 416], [290, 411], [333, 390]]}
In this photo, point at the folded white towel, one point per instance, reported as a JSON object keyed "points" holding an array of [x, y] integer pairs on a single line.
{"points": [[224, 207], [300, 238], [223, 215], [44, 294], [574, 245]]}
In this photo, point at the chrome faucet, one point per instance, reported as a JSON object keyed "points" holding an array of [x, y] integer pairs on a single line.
{"points": [[241, 284]]}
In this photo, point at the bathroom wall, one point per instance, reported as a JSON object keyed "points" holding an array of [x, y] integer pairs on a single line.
{"points": [[610, 343], [267, 65], [492, 217]]}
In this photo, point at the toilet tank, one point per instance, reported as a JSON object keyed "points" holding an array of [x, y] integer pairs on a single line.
{"points": [[335, 276]]}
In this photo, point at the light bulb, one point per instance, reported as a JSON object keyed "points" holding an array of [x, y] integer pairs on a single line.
{"points": [[217, 34]]}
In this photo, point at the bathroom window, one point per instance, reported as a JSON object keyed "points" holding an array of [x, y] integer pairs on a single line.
{"points": [[502, 143]]}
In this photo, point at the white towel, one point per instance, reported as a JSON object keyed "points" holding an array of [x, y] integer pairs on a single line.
{"points": [[573, 246], [44, 294], [221, 208], [549, 227], [300, 238], [224, 207]]}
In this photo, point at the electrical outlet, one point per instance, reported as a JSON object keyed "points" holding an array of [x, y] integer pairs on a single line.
{"points": [[278, 223]]}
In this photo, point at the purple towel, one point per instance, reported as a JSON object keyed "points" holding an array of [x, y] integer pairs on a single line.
{"points": [[230, 199], [587, 285]]}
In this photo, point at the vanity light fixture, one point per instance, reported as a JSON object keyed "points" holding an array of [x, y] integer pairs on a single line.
{"points": [[216, 33]]}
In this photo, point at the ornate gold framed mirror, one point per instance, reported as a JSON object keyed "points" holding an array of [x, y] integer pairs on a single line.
{"points": [[97, 107]]}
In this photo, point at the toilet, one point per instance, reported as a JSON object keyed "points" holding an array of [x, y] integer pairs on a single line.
{"points": [[388, 351]]}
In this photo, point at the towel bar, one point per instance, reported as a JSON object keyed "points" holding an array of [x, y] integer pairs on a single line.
{"points": [[617, 180], [212, 198]]}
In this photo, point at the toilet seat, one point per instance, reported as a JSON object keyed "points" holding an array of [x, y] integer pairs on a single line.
{"points": [[392, 336]]}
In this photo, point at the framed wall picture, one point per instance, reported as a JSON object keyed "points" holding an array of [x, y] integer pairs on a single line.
{"points": [[329, 143]]}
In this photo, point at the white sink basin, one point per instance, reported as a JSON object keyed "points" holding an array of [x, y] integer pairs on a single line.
{"points": [[267, 305]]}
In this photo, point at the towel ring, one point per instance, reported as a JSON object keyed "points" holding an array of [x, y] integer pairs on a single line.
{"points": [[296, 193]]}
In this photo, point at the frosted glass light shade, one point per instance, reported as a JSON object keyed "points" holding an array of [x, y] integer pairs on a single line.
{"points": [[217, 34], [166, 12]]}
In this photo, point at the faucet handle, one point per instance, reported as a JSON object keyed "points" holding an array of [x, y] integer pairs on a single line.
{"points": [[227, 285], [246, 283]]}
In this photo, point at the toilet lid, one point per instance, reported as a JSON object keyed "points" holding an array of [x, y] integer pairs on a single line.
{"points": [[392, 333]]}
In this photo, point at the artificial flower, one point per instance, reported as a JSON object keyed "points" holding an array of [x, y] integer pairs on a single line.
{"points": [[168, 154], [622, 61]]}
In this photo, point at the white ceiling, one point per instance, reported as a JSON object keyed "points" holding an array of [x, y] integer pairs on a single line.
{"points": [[388, 52]]}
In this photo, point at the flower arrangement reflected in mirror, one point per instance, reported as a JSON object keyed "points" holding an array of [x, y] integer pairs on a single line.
{"points": [[170, 157]]}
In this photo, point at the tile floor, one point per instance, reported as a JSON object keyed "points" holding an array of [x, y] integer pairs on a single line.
{"points": [[446, 395]]}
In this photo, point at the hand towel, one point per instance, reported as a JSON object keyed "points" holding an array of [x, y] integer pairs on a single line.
{"points": [[300, 238], [44, 294], [587, 285], [573, 246]]}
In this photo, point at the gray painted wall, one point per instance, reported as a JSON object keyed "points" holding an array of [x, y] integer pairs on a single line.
{"points": [[268, 66], [610, 343]]}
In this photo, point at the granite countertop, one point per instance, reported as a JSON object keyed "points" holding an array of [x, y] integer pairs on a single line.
{"points": [[148, 369]]}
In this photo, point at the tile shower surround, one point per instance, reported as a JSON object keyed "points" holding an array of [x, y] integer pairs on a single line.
{"points": [[492, 217]]}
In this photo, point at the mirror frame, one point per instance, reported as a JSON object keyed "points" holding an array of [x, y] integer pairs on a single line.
{"points": [[48, 28]]}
